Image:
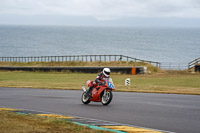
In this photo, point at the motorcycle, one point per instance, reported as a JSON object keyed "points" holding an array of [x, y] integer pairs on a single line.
{"points": [[101, 93]]}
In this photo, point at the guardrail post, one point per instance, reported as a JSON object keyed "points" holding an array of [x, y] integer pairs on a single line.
{"points": [[66, 58], [90, 58], [120, 59]]}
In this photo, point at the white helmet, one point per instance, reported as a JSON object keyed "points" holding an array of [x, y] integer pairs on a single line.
{"points": [[106, 72]]}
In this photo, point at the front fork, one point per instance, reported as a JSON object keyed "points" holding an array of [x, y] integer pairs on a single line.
{"points": [[83, 87], [104, 93]]}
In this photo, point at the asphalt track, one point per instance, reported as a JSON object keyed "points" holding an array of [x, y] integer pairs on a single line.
{"points": [[169, 112]]}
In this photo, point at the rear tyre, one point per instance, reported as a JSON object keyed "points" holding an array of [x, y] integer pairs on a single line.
{"points": [[105, 100], [85, 99]]}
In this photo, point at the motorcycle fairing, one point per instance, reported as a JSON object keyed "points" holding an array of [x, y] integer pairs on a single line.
{"points": [[97, 91]]}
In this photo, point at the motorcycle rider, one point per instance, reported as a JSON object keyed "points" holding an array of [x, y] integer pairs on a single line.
{"points": [[104, 75]]}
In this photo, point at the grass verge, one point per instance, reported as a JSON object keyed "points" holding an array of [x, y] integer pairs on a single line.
{"points": [[171, 82], [11, 122], [151, 68]]}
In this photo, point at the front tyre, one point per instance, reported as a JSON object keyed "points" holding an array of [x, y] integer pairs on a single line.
{"points": [[85, 99], [106, 98]]}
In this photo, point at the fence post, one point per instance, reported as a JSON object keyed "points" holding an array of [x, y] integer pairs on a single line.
{"points": [[66, 58], [120, 59], [90, 58], [78, 57]]}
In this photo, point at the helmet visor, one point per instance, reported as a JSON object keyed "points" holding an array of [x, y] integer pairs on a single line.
{"points": [[108, 73]]}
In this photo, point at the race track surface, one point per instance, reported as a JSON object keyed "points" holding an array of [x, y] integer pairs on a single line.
{"points": [[169, 112]]}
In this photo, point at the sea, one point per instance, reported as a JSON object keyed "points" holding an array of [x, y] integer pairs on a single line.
{"points": [[174, 47]]}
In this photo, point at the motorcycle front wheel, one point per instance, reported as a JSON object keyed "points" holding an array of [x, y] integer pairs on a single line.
{"points": [[85, 99], [107, 98]]}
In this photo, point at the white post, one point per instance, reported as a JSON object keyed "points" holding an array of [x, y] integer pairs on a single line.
{"points": [[127, 82], [145, 70]]}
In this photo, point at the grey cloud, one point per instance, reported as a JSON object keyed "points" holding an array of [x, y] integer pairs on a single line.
{"points": [[104, 9]]}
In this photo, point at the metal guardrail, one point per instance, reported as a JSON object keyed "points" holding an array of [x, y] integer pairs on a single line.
{"points": [[174, 65], [84, 58], [193, 63]]}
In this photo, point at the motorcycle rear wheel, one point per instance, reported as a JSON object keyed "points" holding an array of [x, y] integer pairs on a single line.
{"points": [[105, 100], [85, 99]]}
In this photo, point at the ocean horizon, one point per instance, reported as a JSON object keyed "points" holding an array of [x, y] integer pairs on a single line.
{"points": [[168, 45]]}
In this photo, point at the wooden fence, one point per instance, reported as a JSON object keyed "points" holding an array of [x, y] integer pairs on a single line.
{"points": [[84, 58]]}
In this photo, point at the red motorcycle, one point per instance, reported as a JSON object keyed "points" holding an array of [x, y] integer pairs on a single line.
{"points": [[101, 93]]}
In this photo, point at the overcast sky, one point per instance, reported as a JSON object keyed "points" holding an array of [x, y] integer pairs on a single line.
{"points": [[97, 12]]}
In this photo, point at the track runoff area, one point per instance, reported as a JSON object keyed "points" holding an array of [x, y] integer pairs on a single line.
{"points": [[91, 123]]}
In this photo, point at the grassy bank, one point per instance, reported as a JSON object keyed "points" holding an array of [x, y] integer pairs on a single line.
{"points": [[151, 68], [75, 63], [168, 82], [11, 122]]}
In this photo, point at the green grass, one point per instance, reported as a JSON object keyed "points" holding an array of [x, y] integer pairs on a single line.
{"points": [[170, 82], [75, 63], [11, 122]]}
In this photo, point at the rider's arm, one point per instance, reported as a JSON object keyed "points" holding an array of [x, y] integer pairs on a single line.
{"points": [[99, 79]]}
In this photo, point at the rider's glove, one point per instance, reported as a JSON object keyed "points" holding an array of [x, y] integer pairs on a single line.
{"points": [[100, 83]]}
